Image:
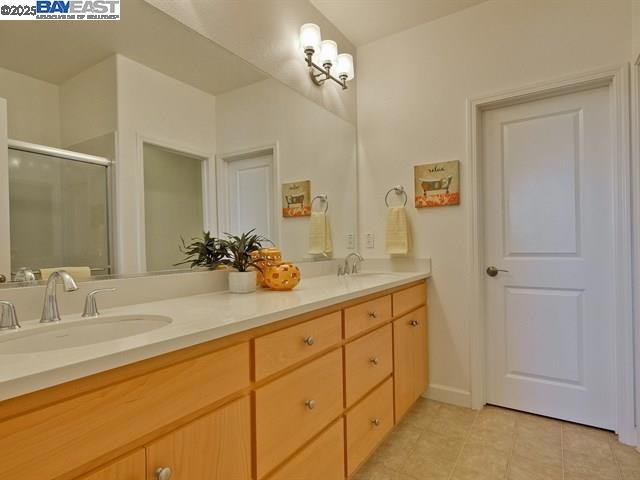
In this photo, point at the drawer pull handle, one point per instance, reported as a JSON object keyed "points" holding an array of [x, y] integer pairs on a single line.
{"points": [[309, 340], [164, 473], [374, 361], [372, 314], [311, 404], [414, 323], [375, 422]]}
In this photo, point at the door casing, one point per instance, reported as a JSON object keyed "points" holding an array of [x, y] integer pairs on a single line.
{"points": [[616, 79]]}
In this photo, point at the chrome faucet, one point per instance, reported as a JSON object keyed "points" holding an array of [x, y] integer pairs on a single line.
{"points": [[50, 312], [355, 267], [8, 316], [90, 304]]}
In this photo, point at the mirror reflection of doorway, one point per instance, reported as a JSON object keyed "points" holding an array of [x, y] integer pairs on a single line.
{"points": [[247, 184], [174, 204]]}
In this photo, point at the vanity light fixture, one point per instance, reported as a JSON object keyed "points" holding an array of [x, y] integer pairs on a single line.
{"points": [[323, 59]]}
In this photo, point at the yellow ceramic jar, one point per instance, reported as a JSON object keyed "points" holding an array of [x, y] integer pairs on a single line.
{"points": [[265, 258], [284, 276]]}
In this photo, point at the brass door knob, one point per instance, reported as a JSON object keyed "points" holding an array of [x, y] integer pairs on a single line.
{"points": [[311, 404], [309, 340], [414, 323], [375, 422], [374, 361]]}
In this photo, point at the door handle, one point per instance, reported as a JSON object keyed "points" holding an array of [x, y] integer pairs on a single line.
{"points": [[493, 271]]}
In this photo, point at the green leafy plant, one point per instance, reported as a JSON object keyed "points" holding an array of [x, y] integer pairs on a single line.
{"points": [[239, 248], [207, 252]]}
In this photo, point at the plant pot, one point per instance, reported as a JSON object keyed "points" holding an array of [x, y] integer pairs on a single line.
{"points": [[242, 282]]}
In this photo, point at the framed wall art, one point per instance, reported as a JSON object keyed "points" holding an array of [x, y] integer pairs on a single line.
{"points": [[296, 199], [437, 184]]}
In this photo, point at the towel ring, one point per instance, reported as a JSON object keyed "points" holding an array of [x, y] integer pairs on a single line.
{"points": [[323, 198], [400, 191]]}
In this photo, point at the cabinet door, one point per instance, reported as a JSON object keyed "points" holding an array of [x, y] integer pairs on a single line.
{"points": [[410, 359], [214, 447], [131, 467]]}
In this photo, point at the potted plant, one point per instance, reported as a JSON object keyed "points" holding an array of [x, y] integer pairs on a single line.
{"points": [[238, 256], [206, 252]]}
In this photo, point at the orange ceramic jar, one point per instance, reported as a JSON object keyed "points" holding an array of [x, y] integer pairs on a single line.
{"points": [[284, 276]]}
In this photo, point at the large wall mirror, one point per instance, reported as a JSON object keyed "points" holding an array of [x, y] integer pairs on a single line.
{"points": [[121, 142]]}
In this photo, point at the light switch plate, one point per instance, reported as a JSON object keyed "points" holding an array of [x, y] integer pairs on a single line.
{"points": [[371, 240], [350, 240]]}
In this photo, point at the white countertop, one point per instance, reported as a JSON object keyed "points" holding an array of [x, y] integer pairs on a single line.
{"points": [[196, 319]]}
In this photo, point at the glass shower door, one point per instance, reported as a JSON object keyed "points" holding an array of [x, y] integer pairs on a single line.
{"points": [[59, 213]]}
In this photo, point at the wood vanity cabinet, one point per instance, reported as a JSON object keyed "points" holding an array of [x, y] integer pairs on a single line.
{"points": [[410, 365], [306, 398], [216, 446], [131, 467]]}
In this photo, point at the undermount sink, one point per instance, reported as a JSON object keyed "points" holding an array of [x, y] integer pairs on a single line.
{"points": [[80, 333]]}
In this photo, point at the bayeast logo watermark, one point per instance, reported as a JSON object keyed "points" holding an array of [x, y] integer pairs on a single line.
{"points": [[59, 10]]}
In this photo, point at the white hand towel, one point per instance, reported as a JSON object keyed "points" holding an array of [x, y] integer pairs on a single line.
{"points": [[320, 234], [78, 273], [396, 232]]}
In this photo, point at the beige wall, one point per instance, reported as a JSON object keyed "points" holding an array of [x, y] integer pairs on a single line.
{"points": [[164, 111], [88, 103], [33, 111], [412, 93], [265, 33], [635, 5], [313, 144]]}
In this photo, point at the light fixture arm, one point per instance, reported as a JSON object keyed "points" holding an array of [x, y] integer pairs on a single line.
{"points": [[324, 71]]}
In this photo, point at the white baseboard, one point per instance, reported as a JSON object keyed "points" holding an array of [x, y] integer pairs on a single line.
{"points": [[445, 394]]}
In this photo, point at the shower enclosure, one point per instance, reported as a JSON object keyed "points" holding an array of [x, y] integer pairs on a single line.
{"points": [[59, 209]]}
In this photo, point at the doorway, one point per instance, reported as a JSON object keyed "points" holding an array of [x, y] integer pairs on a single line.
{"points": [[247, 192], [549, 174]]}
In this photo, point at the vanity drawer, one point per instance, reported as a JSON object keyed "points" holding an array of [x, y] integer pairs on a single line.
{"points": [[295, 407], [279, 350], [322, 459], [368, 423], [131, 467], [70, 434], [368, 361], [366, 315], [407, 300]]}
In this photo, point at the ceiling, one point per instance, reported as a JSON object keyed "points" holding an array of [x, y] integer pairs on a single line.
{"points": [[363, 21], [57, 51]]}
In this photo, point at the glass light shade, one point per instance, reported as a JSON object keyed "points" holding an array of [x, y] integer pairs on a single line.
{"points": [[310, 36], [328, 52], [345, 66]]}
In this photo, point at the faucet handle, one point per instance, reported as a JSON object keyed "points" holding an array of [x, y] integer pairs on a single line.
{"points": [[90, 304], [8, 316]]}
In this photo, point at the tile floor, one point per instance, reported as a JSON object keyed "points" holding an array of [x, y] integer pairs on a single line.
{"points": [[436, 441]]}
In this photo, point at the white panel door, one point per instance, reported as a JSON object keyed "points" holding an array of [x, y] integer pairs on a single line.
{"points": [[251, 201], [549, 222]]}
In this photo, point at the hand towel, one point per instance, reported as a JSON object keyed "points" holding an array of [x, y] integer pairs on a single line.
{"points": [[78, 273], [396, 231], [320, 241]]}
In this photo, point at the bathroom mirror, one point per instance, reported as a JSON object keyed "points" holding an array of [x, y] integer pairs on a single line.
{"points": [[121, 141]]}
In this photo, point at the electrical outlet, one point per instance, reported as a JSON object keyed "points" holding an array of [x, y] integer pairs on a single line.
{"points": [[350, 240], [371, 240]]}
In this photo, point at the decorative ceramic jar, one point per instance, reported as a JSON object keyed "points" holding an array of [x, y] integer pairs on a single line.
{"points": [[284, 276], [266, 258]]}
